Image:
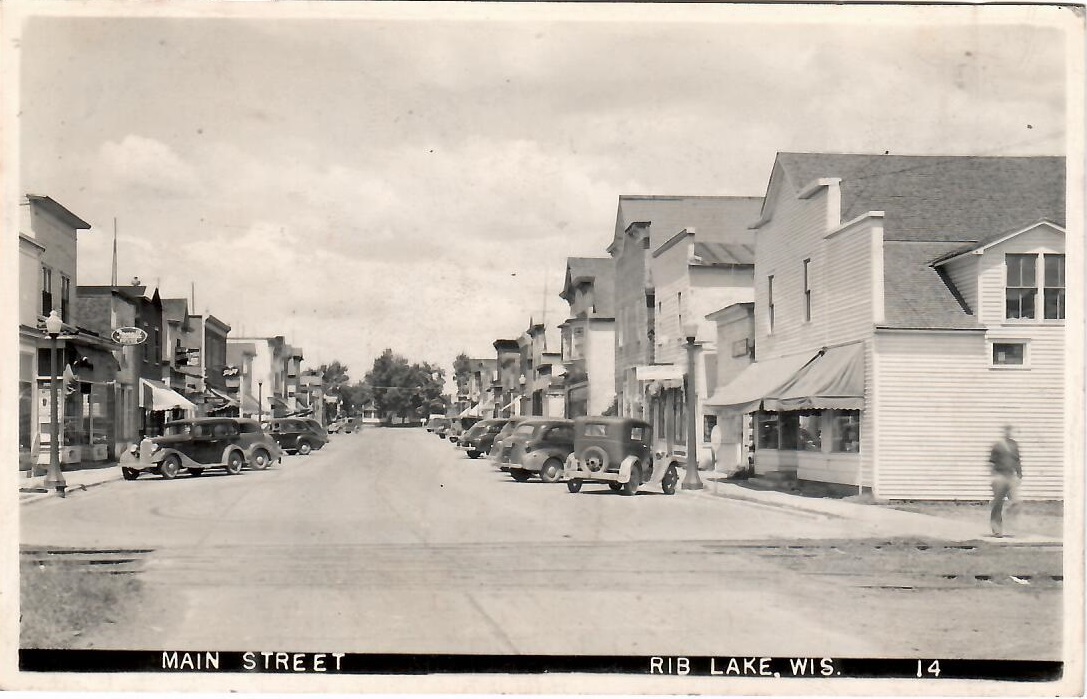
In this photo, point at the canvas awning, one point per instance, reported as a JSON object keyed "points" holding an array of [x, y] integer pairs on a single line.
{"points": [[479, 409], [155, 395], [833, 380], [250, 404], [229, 400], [745, 393]]}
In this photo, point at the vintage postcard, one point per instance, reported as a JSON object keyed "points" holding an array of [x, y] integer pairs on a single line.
{"points": [[543, 348]]}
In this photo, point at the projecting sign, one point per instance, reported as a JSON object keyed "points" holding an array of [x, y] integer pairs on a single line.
{"points": [[129, 336]]}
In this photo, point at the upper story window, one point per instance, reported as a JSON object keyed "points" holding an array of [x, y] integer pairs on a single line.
{"points": [[1054, 287], [1022, 285], [770, 301], [65, 297], [807, 290], [47, 290]]}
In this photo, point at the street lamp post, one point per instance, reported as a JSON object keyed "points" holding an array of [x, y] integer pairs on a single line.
{"points": [[691, 480], [54, 477], [260, 400]]}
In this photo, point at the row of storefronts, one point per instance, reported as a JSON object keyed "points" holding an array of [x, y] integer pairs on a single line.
{"points": [[870, 323], [126, 360]]}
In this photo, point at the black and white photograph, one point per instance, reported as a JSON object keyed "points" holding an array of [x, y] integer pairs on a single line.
{"points": [[562, 348]]}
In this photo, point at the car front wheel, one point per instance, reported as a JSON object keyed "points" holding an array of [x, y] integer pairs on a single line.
{"points": [[520, 475], [170, 466], [631, 486], [550, 471], [671, 478], [573, 485], [473, 454], [130, 474], [304, 447], [234, 463]]}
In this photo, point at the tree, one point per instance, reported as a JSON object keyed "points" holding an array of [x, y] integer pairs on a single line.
{"points": [[335, 378], [404, 390], [462, 372]]}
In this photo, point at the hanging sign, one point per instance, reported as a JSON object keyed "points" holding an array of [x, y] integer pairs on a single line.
{"points": [[129, 336]]}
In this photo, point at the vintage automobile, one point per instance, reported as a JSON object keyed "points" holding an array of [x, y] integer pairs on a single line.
{"points": [[459, 425], [438, 426], [297, 435], [198, 444], [478, 440], [540, 446], [617, 451], [499, 452]]}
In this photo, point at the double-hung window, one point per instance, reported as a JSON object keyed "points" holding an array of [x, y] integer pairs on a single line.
{"points": [[1053, 294], [1024, 285], [807, 290], [770, 301]]}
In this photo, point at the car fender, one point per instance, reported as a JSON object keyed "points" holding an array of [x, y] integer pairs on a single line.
{"points": [[626, 466], [237, 448], [571, 465], [186, 462], [534, 460]]}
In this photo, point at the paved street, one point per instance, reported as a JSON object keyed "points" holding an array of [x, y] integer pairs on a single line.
{"points": [[394, 541]]}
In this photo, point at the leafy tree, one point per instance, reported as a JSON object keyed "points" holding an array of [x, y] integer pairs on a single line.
{"points": [[335, 377], [400, 389], [462, 372]]}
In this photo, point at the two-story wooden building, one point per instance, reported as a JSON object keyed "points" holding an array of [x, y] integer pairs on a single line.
{"points": [[906, 308], [588, 335]]}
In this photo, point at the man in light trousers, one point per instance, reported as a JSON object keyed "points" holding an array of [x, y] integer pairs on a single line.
{"points": [[1007, 474]]}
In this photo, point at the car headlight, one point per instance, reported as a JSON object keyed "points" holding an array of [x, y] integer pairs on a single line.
{"points": [[155, 447], [134, 450]]}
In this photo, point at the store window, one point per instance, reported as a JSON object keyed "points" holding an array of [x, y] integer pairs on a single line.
{"points": [[847, 431], [65, 298], [810, 432], [768, 437], [47, 290], [708, 423]]}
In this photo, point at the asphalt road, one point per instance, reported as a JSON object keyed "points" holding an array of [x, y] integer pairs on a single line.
{"points": [[391, 540]]}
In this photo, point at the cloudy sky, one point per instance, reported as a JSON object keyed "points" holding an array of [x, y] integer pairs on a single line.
{"points": [[397, 179]]}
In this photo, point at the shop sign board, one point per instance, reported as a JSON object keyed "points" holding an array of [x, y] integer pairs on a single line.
{"points": [[129, 336]]}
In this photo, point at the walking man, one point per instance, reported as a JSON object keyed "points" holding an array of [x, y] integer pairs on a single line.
{"points": [[1007, 473]]}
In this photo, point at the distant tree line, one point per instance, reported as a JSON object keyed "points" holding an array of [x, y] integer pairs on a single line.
{"points": [[394, 387]]}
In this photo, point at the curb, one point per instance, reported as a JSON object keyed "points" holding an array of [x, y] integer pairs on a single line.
{"points": [[79, 487], [777, 505]]}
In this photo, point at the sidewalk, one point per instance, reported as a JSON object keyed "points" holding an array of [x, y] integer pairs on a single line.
{"points": [[31, 489], [882, 521]]}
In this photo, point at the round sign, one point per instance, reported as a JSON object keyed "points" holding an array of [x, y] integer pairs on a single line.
{"points": [[129, 336]]}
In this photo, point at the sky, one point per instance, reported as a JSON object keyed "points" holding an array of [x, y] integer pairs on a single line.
{"points": [[417, 182]]}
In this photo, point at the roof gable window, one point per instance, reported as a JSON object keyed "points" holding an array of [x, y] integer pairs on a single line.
{"points": [[1024, 285]]}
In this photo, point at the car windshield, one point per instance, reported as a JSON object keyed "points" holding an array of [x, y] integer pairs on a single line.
{"points": [[524, 430], [178, 429]]}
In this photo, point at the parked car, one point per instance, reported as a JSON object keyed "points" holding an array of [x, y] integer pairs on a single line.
{"points": [[478, 440], [617, 451], [540, 446], [297, 435], [498, 452], [438, 426], [198, 444], [459, 425]]}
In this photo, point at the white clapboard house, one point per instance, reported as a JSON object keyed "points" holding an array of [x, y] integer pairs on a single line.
{"points": [[906, 308]]}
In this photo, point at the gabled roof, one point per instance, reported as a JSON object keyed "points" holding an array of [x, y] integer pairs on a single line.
{"points": [[600, 272], [948, 198], [715, 219], [918, 296], [175, 310], [991, 240]]}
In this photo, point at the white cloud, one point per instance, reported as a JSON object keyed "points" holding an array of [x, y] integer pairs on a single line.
{"points": [[147, 165]]}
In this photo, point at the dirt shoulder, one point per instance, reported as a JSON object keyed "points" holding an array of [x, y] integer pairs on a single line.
{"points": [[1043, 518]]}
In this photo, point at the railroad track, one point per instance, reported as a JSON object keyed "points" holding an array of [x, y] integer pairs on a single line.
{"points": [[96, 560]]}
